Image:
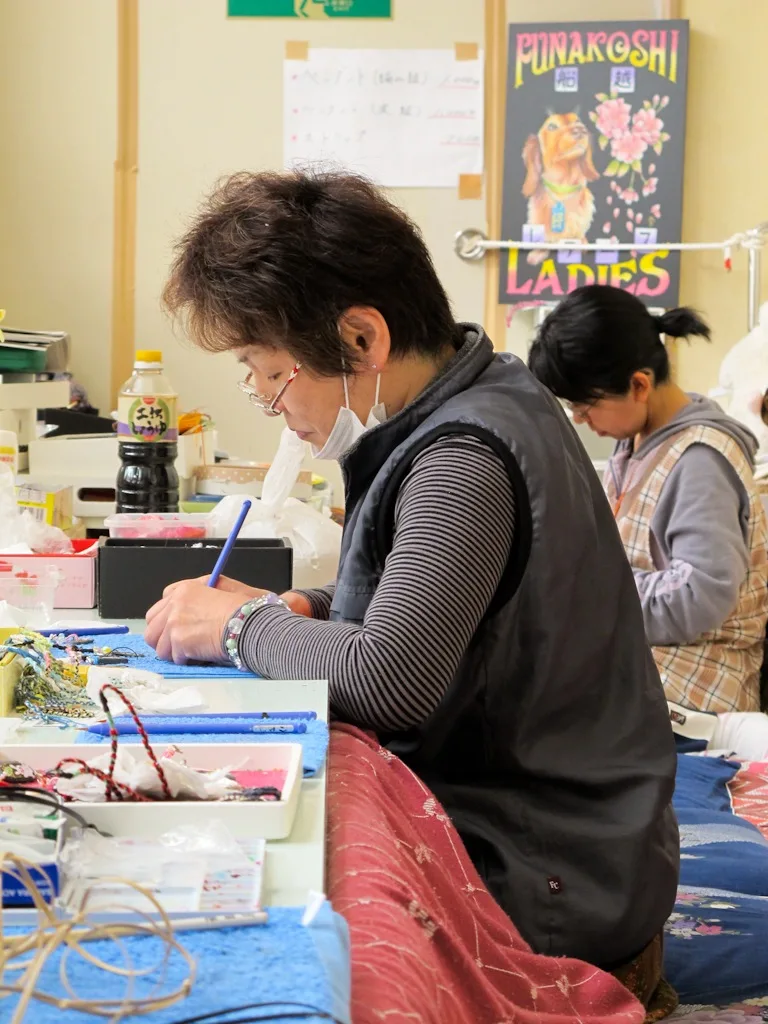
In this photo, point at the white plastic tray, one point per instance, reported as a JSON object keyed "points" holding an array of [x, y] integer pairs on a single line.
{"points": [[245, 819]]}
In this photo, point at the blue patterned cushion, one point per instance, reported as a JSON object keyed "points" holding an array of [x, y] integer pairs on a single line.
{"points": [[721, 849], [715, 946], [716, 939], [702, 782]]}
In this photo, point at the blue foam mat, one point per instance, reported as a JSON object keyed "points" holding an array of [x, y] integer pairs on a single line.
{"points": [[149, 661], [280, 962]]}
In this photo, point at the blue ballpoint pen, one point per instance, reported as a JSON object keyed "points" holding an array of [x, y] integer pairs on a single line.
{"points": [[254, 716], [83, 631], [221, 561], [200, 728]]}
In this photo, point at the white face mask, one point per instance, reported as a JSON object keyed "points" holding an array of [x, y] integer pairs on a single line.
{"points": [[349, 427]]}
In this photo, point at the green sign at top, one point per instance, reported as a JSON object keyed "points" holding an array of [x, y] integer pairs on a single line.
{"points": [[318, 9]]}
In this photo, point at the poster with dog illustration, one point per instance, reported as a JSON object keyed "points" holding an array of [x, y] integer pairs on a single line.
{"points": [[593, 154]]}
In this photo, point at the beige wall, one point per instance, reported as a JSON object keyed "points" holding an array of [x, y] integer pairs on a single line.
{"points": [[726, 187], [211, 103], [57, 126]]}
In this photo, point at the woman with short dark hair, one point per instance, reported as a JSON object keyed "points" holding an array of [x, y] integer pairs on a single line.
{"points": [[681, 485], [484, 621]]}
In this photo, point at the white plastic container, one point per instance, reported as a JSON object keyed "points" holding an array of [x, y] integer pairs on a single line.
{"points": [[158, 525], [32, 593], [244, 819], [9, 450]]}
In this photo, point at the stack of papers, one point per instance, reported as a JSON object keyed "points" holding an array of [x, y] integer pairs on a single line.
{"points": [[54, 344], [31, 340]]}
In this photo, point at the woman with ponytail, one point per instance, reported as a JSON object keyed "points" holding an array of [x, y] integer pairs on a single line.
{"points": [[681, 487]]}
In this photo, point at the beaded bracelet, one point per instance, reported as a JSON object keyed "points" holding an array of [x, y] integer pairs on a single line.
{"points": [[238, 620]]}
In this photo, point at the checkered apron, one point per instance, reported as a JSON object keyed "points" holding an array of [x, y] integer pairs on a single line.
{"points": [[721, 670]]}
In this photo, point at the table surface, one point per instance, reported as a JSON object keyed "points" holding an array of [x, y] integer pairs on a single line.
{"points": [[295, 866]]}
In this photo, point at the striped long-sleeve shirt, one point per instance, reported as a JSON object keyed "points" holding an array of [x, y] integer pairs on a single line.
{"points": [[453, 531]]}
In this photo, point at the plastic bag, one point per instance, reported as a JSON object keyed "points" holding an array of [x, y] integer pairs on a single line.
{"points": [[133, 768], [44, 539], [193, 868], [212, 837], [20, 532], [11, 531], [147, 691], [95, 868], [284, 471], [313, 535]]}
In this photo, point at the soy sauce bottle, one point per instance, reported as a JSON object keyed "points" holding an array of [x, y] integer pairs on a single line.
{"points": [[147, 430]]}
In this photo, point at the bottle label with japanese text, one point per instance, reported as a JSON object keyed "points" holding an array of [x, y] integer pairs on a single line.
{"points": [[147, 418]]}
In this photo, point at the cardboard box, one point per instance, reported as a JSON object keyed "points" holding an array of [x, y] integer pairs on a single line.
{"points": [[77, 586], [77, 530], [16, 894], [48, 503], [245, 478], [134, 573]]}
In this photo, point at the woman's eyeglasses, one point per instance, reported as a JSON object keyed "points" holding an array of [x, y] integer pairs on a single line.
{"points": [[264, 402]]}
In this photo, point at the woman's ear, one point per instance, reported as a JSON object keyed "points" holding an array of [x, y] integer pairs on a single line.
{"points": [[365, 331], [641, 385]]}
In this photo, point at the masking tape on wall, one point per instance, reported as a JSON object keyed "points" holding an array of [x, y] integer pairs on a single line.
{"points": [[297, 49], [466, 51], [470, 186]]}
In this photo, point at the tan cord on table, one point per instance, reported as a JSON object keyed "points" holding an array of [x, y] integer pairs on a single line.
{"points": [[69, 935]]}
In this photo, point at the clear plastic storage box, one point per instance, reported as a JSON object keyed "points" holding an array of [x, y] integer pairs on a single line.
{"points": [[158, 525]]}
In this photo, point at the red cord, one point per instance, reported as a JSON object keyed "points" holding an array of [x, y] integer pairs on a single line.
{"points": [[119, 790], [113, 735]]}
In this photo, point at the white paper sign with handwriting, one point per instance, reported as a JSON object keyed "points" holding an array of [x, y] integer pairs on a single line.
{"points": [[406, 118]]}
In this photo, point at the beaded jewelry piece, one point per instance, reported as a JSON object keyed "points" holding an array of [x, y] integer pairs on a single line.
{"points": [[238, 620], [264, 794], [14, 773], [80, 650], [50, 697], [49, 688]]}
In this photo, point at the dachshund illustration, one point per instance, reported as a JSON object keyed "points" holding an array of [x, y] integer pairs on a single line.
{"points": [[558, 163]]}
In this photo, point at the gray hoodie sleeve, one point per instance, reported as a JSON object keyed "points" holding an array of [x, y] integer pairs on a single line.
{"points": [[699, 541]]}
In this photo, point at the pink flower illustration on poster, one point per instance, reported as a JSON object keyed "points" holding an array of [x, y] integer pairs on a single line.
{"points": [[612, 118], [632, 139], [647, 125], [628, 149]]}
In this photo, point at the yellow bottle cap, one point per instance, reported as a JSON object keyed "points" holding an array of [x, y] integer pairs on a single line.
{"points": [[149, 355]]}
